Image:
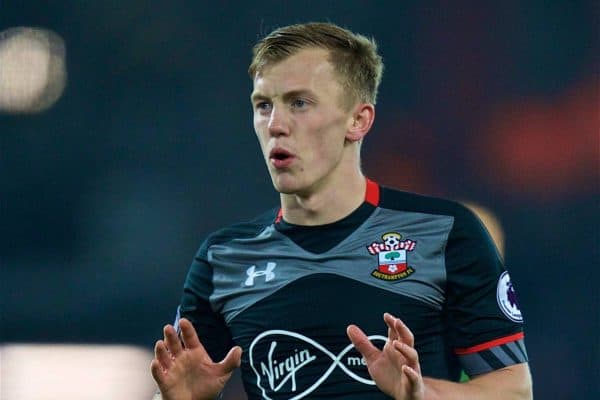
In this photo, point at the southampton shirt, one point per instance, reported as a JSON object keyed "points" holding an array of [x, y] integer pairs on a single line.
{"points": [[286, 293]]}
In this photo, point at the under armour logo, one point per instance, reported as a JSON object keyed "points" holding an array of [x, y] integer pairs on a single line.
{"points": [[253, 273]]}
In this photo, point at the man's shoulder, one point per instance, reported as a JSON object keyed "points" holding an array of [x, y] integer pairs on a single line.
{"points": [[466, 224], [243, 229], [395, 199]]}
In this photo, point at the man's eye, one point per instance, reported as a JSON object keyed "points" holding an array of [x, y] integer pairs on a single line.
{"points": [[264, 106], [299, 103]]}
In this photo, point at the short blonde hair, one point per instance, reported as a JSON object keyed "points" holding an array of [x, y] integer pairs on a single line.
{"points": [[353, 56]]}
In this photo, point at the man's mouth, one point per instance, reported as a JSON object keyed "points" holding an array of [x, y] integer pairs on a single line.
{"points": [[280, 158]]}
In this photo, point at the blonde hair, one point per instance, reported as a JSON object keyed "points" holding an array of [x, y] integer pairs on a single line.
{"points": [[353, 56]]}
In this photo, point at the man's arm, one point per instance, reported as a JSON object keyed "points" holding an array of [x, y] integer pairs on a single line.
{"points": [[508, 383], [396, 371]]}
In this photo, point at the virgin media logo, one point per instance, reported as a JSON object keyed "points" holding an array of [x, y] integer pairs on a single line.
{"points": [[279, 359]]}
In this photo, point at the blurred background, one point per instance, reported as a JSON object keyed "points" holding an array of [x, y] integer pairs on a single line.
{"points": [[106, 194]]}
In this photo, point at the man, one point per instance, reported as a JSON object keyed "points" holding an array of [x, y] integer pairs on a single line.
{"points": [[281, 295]]}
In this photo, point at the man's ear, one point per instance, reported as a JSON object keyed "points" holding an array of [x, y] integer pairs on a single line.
{"points": [[360, 122]]}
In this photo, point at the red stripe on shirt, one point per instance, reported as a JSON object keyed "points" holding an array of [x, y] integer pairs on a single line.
{"points": [[279, 216], [372, 193], [490, 344]]}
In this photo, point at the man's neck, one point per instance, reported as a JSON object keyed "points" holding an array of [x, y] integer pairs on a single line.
{"points": [[324, 206]]}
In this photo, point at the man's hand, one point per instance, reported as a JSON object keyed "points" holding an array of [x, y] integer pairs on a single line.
{"points": [[187, 372], [395, 369]]}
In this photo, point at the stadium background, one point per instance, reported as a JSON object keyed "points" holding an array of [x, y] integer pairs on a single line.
{"points": [[106, 196]]}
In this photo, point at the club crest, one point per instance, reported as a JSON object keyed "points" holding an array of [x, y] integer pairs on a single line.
{"points": [[391, 253]]}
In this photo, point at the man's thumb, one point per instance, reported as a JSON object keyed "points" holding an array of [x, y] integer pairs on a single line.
{"points": [[232, 360]]}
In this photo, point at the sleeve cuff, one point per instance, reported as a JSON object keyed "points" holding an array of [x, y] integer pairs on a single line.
{"points": [[493, 355]]}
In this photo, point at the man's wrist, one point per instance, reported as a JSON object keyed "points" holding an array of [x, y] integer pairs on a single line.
{"points": [[429, 392]]}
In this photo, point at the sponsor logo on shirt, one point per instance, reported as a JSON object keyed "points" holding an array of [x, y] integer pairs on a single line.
{"points": [[392, 257], [279, 358], [507, 298]]}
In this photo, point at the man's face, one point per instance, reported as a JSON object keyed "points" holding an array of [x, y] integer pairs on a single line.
{"points": [[300, 122]]}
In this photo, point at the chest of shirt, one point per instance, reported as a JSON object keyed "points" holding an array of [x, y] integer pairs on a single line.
{"points": [[399, 252]]}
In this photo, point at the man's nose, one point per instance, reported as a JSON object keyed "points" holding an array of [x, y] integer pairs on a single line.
{"points": [[278, 122]]}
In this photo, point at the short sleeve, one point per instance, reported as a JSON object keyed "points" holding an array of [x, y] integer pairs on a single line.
{"points": [[485, 322], [196, 307]]}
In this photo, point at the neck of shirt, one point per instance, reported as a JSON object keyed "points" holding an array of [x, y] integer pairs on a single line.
{"points": [[321, 238]]}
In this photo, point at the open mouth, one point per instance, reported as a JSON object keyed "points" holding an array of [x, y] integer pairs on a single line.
{"points": [[280, 158]]}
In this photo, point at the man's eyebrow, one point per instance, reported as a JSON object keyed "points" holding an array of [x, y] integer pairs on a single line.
{"points": [[292, 94], [258, 96]]}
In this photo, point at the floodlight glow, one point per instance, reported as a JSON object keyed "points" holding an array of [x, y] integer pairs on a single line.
{"points": [[82, 372], [32, 69], [491, 222]]}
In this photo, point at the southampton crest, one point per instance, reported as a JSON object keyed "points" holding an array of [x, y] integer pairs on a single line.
{"points": [[392, 256]]}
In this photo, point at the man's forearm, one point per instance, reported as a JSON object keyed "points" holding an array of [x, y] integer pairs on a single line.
{"points": [[510, 383]]}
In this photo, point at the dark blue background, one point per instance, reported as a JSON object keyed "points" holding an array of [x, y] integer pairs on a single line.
{"points": [[106, 196]]}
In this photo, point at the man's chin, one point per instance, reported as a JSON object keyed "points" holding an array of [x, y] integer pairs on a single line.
{"points": [[283, 186], [285, 189]]}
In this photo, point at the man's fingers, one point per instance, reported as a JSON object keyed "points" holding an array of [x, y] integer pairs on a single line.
{"points": [[400, 328], [362, 343], [389, 321], [172, 340], [405, 334], [162, 355], [189, 335], [409, 353], [415, 381], [232, 360], [157, 371]]}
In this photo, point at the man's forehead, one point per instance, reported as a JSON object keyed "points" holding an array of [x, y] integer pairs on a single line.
{"points": [[298, 72], [307, 55]]}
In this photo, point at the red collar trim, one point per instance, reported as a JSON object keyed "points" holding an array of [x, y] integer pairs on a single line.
{"points": [[372, 193], [279, 216], [371, 197]]}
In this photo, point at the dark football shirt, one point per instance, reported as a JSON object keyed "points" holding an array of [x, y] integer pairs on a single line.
{"points": [[286, 293]]}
